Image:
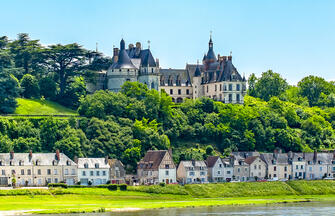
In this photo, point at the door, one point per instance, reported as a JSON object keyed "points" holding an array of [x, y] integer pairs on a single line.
{"points": [[167, 181]]}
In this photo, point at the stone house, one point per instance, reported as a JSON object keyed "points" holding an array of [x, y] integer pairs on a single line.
{"points": [[37, 169], [257, 168], [219, 170], [317, 165], [241, 168], [279, 165], [117, 172], [298, 166], [155, 167], [189, 172], [93, 171]]}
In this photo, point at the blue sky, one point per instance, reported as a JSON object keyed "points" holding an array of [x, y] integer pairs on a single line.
{"points": [[294, 38]]}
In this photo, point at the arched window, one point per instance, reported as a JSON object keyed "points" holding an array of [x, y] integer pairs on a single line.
{"points": [[173, 100], [179, 100]]}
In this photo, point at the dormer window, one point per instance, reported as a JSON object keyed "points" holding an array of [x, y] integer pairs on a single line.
{"points": [[20, 163], [38, 163], [0, 163], [68, 163], [54, 163], [96, 165], [320, 162], [299, 159], [86, 165], [11, 163], [309, 162], [333, 162]]}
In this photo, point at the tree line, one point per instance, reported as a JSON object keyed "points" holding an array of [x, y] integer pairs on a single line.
{"points": [[126, 124]]}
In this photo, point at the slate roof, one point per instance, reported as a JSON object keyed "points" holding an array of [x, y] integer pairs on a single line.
{"points": [[152, 159], [197, 72], [114, 162], [211, 160], [44, 159], [323, 157], [91, 163], [197, 163], [174, 74], [124, 61], [275, 158]]}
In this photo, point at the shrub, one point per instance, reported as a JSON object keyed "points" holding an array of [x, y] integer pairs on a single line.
{"points": [[162, 184], [112, 187], [62, 185], [123, 187]]}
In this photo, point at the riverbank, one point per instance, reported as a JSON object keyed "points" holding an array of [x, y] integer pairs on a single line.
{"points": [[74, 200]]}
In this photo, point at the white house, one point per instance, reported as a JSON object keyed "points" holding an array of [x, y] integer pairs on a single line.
{"points": [[157, 166], [192, 172], [93, 171], [219, 170]]}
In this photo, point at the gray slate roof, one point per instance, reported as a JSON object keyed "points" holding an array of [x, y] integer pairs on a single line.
{"points": [[91, 163], [44, 159]]}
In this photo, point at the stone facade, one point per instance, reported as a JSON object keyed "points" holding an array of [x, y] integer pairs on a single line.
{"points": [[189, 172], [216, 77], [93, 171]]}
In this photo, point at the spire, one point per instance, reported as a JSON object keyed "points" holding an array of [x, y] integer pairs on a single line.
{"points": [[197, 72], [96, 47], [210, 54], [149, 44], [210, 39]]}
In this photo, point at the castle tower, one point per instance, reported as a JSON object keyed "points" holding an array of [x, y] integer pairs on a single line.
{"points": [[196, 82]]}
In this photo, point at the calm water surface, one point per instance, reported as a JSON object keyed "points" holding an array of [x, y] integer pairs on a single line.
{"points": [[297, 209]]}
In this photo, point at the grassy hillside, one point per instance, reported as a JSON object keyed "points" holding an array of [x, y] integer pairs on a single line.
{"points": [[39, 107], [244, 189]]}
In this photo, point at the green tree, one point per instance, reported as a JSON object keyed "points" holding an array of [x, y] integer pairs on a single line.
{"points": [[268, 85], [29, 85], [47, 87], [9, 91]]}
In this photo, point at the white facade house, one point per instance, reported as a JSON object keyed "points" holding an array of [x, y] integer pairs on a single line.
{"points": [[93, 171], [157, 167], [189, 172], [219, 170]]}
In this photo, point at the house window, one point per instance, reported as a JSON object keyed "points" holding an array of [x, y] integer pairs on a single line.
{"points": [[296, 167], [310, 169], [39, 172], [220, 87], [96, 165], [85, 165], [274, 168], [228, 172], [215, 88], [302, 166], [220, 165], [55, 172], [91, 173], [84, 173], [66, 172], [104, 173], [167, 172], [56, 180], [73, 172], [219, 172], [230, 87], [49, 180], [320, 168], [167, 166], [22, 172], [49, 172], [202, 173], [255, 166], [285, 169], [3, 172], [238, 170], [171, 91], [98, 173], [191, 173], [259, 166]]}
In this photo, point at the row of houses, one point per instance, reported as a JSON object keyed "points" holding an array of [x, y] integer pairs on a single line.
{"points": [[39, 169], [158, 166]]}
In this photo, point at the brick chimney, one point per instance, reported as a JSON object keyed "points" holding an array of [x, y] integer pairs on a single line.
{"points": [[11, 155], [57, 155], [30, 155], [115, 54]]}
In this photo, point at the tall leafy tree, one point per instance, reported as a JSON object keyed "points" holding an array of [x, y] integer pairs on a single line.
{"points": [[66, 61], [29, 85]]}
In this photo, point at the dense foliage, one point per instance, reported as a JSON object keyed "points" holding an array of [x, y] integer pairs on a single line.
{"points": [[126, 124]]}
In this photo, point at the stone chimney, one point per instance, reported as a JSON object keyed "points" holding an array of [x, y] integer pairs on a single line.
{"points": [[115, 54], [157, 62], [11, 155], [76, 159], [106, 159], [315, 158], [138, 45], [130, 46], [57, 155], [170, 151], [290, 154]]}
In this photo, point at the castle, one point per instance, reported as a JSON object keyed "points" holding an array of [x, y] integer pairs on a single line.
{"points": [[216, 77]]}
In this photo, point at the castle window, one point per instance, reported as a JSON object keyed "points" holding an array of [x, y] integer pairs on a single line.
{"points": [[237, 87], [237, 98], [128, 70], [187, 91], [220, 87], [170, 82], [179, 100], [128, 79], [171, 91], [225, 87], [152, 70], [178, 81], [120, 70], [230, 87], [162, 81], [230, 98], [152, 85], [215, 87], [179, 91]]}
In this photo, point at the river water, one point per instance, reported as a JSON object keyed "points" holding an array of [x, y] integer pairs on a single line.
{"points": [[296, 209]]}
